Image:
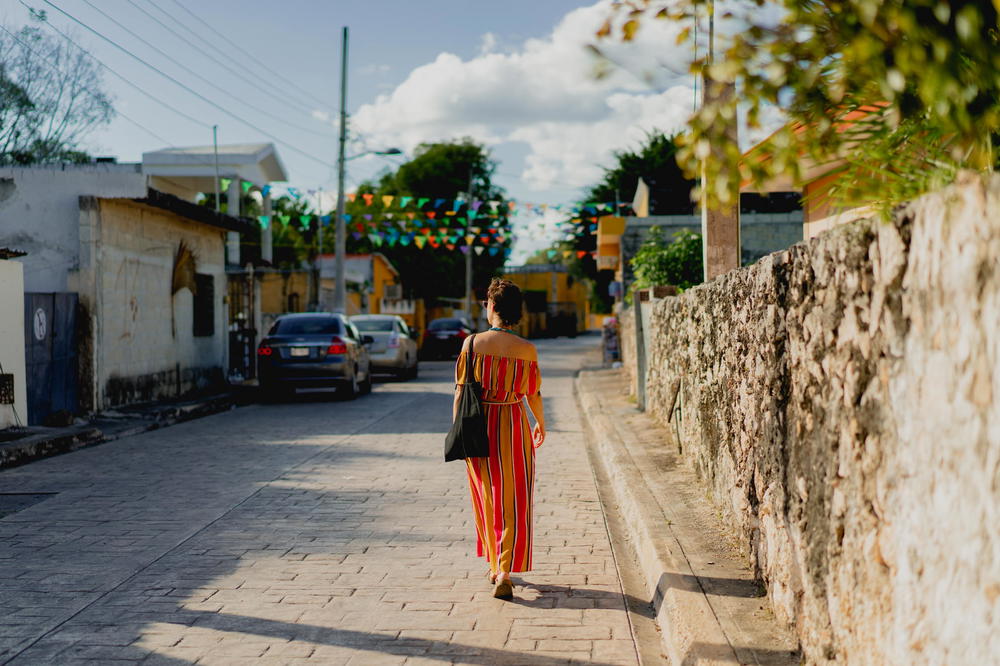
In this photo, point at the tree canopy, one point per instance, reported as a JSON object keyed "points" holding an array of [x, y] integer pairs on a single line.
{"points": [[51, 96], [858, 80], [444, 170]]}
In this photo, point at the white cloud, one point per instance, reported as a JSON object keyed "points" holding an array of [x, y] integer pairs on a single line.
{"points": [[489, 44], [546, 95]]}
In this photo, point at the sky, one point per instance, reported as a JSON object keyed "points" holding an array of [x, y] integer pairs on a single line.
{"points": [[515, 75]]}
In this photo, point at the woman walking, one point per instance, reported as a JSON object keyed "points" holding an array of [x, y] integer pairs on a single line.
{"points": [[502, 485]]}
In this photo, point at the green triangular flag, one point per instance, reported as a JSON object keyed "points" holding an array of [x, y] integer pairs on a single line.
{"points": [[421, 201], [285, 219], [224, 183], [246, 185], [264, 220]]}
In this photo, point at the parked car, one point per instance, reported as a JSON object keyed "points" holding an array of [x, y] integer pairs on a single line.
{"points": [[394, 350], [314, 349], [444, 337]]}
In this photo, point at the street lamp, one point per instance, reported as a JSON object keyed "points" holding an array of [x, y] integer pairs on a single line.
{"points": [[340, 285]]}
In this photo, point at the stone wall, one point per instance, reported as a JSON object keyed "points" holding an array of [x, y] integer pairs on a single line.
{"points": [[841, 402]]}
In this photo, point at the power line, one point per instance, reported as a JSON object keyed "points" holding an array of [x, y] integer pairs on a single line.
{"points": [[250, 55], [232, 70], [307, 108], [92, 94], [199, 76], [185, 87], [127, 81]]}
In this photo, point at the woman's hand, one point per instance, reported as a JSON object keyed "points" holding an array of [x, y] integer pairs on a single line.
{"points": [[538, 435]]}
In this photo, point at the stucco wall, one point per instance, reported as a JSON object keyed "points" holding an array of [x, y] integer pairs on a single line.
{"points": [[40, 214], [143, 343], [841, 401], [12, 337]]}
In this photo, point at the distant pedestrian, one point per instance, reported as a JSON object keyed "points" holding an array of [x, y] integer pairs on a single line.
{"points": [[503, 484]]}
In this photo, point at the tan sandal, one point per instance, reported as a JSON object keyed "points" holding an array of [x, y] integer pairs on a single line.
{"points": [[503, 589]]}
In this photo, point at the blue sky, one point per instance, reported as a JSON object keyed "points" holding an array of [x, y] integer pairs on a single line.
{"points": [[514, 75]]}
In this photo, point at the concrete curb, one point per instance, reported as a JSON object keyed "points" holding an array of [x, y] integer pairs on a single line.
{"points": [[709, 607], [54, 441], [690, 631]]}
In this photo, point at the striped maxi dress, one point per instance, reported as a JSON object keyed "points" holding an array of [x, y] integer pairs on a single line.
{"points": [[502, 485]]}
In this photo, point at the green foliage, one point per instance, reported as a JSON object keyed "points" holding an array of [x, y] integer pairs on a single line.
{"points": [[655, 161], [857, 79], [437, 171], [661, 262]]}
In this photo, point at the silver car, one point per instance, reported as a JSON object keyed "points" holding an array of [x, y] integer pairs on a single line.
{"points": [[393, 349]]}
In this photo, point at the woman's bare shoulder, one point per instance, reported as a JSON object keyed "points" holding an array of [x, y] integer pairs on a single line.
{"points": [[527, 350]]}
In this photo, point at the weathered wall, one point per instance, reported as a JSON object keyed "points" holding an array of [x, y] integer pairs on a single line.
{"points": [[40, 214], [841, 400], [12, 335], [143, 345]]}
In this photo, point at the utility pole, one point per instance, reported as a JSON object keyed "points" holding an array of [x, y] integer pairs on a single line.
{"points": [[317, 273], [720, 222], [340, 288], [468, 256], [215, 144]]}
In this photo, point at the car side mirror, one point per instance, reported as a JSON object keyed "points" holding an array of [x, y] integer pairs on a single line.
{"points": [[367, 340]]}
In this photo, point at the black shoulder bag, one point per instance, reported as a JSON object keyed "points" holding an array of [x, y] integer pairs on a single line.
{"points": [[467, 437]]}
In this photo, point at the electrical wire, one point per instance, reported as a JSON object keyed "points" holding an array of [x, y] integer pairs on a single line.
{"points": [[308, 108], [150, 95], [201, 78], [89, 92], [250, 55], [185, 87]]}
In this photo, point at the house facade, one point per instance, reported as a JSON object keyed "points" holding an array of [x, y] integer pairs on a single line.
{"points": [[13, 387], [151, 282], [102, 271]]}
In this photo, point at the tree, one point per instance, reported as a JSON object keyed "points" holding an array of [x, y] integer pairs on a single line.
{"points": [[859, 80], [438, 172], [663, 262], [51, 97], [655, 161]]}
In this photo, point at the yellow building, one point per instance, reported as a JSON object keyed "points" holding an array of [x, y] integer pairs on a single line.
{"points": [[555, 302], [372, 280]]}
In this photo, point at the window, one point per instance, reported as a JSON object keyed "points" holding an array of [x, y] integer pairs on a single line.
{"points": [[204, 305], [293, 302], [374, 325], [306, 326]]}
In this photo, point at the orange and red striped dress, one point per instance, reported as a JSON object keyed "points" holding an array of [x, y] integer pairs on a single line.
{"points": [[503, 485]]}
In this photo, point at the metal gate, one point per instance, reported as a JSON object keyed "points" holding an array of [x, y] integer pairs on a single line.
{"points": [[50, 354]]}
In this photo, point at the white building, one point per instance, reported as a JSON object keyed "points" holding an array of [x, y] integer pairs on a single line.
{"points": [[147, 268]]}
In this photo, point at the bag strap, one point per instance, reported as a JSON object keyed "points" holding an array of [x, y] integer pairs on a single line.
{"points": [[470, 375]]}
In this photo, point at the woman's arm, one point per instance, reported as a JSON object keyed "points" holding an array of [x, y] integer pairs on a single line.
{"points": [[537, 409], [458, 380], [535, 405]]}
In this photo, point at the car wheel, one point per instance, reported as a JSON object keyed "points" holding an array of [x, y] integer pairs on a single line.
{"points": [[366, 386], [352, 389], [412, 374]]}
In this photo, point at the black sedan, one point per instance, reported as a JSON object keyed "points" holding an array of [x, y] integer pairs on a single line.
{"points": [[444, 337], [314, 349]]}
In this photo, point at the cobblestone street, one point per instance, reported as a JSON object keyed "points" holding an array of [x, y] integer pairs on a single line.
{"points": [[311, 531]]}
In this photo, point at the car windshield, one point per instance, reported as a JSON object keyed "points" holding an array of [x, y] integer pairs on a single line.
{"points": [[306, 326], [445, 325], [373, 325]]}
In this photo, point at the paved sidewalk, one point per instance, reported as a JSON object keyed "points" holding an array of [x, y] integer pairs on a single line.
{"points": [[309, 532], [709, 605]]}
